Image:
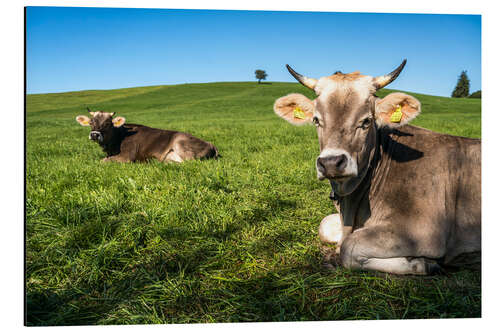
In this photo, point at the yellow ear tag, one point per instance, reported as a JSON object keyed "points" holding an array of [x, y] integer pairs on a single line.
{"points": [[85, 122], [397, 115], [298, 113]]}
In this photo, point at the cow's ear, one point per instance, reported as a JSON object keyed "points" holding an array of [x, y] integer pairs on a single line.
{"points": [[83, 120], [118, 121], [396, 109], [297, 109]]}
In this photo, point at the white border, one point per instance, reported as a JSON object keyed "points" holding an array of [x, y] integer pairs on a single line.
{"points": [[12, 155]]}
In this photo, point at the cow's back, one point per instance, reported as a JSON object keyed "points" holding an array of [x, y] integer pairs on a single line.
{"points": [[147, 142]]}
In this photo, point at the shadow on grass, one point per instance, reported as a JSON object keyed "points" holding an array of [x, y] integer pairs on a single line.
{"points": [[294, 293], [177, 276], [71, 306]]}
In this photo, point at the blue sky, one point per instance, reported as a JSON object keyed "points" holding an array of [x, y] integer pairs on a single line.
{"points": [[72, 49]]}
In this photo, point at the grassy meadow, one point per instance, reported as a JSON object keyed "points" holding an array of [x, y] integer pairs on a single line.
{"points": [[228, 240]]}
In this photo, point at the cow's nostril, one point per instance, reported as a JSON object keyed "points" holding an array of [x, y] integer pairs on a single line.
{"points": [[341, 162], [321, 163]]}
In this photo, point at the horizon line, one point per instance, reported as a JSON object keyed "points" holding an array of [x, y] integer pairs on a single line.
{"points": [[186, 83]]}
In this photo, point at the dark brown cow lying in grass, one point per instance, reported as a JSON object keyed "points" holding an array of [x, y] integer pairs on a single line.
{"points": [[136, 143], [409, 198]]}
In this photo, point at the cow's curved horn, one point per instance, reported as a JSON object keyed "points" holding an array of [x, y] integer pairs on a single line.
{"points": [[91, 113], [304, 80], [113, 113], [383, 80], [88, 109]]}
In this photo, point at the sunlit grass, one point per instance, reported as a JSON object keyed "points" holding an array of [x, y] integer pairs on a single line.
{"points": [[225, 240]]}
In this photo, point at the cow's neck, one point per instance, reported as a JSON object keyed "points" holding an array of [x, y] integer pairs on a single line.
{"points": [[356, 207], [112, 146]]}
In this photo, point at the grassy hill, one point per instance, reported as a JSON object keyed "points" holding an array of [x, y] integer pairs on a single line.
{"points": [[225, 240]]}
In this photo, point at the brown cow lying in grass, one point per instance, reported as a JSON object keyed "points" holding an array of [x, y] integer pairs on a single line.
{"points": [[409, 199], [136, 143]]}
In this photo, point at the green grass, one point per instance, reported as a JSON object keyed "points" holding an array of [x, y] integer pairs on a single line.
{"points": [[228, 240]]}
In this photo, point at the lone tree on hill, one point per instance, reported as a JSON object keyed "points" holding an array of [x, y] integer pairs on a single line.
{"points": [[260, 74], [462, 87]]}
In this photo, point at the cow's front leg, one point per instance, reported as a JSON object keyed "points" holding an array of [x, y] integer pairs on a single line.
{"points": [[332, 231], [381, 249]]}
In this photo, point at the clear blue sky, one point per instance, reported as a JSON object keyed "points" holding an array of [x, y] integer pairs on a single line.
{"points": [[72, 49]]}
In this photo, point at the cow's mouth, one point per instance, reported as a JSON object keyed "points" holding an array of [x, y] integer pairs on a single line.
{"points": [[335, 178], [339, 178]]}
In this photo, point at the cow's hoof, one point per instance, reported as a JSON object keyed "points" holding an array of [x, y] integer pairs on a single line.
{"points": [[330, 229], [432, 268], [331, 259]]}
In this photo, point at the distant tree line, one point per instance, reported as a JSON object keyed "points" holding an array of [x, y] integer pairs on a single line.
{"points": [[463, 86], [476, 94]]}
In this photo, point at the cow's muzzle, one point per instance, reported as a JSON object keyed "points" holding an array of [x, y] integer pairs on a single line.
{"points": [[95, 136], [337, 167], [333, 165]]}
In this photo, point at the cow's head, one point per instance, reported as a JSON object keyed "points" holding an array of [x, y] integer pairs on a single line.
{"points": [[347, 114], [101, 124]]}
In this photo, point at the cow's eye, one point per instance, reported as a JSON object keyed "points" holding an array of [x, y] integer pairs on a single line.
{"points": [[366, 123], [315, 121]]}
